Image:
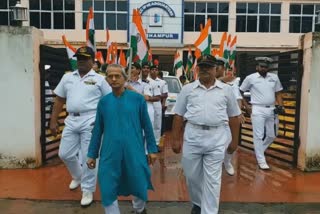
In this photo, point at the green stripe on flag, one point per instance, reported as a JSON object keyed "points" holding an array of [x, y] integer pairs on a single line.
{"points": [[73, 64]]}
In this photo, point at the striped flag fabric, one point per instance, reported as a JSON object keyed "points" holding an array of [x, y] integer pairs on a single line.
{"points": [[215, 52], [70, 51], [226, 51], [99, 57], [197, 53], [122, 59], [223, 43], [233, 51], [138, 39], [177, 61], [204, 40], [114, 52], [108, 44], [90, 31], [108, 41]]}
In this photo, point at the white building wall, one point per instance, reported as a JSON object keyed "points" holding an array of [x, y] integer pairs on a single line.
{"points": [[20, 98], [246, 41], [309, 151]]}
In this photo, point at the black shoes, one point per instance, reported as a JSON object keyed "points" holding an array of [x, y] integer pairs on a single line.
{"points": [[143, 212], [195, 209]]}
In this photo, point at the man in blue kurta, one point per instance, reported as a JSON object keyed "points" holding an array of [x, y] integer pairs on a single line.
{"points": [[121, 119]]}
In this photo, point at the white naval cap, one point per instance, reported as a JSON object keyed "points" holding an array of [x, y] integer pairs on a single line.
{"points": [[264, 61], [221, 60]]}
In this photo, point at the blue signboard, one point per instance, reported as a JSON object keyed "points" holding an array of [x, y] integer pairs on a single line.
{"points": [[163, 36]]}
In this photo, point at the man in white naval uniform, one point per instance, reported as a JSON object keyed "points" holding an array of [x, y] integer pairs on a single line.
{"points": [[151, 94], [265, 89], [208, 106], [156, 82], [80, 90], [234, 83]]}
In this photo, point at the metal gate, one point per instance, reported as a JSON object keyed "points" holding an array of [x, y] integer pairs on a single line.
{"points": [[57, 59], [288, 66]]}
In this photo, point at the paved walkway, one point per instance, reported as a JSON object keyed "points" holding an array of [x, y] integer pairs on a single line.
{"points": [[251, 190], [279, 185], [72, 207]]}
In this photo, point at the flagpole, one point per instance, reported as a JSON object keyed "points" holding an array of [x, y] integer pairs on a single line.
{"points": [[130, 62]]}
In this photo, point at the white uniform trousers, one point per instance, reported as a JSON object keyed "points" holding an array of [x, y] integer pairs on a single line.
{"points": [[157, 122], [263, 124], [151, 112], [137, 203], [75, 139], [151, 116], [227, 158], [202, 157]]}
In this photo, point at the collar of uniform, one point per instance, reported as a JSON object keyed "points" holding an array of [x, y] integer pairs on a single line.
{"points": [[217, 83], [259, 75], [157, 79], [90, 73], [138, 81], [150, 79]]}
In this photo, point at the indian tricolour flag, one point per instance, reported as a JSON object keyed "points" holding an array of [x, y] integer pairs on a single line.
{"points": [[233, 51], [204, 41], [70, 51], [177, 61], [223, 43], [138, 40], [108, 44], [90, 32], [122, 59], [226, 51]]}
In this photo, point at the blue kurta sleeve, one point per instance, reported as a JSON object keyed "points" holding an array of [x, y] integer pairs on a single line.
{"points": [[147, 127], [95, 142]]}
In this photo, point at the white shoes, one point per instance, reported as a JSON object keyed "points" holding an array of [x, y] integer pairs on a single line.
{"points": [[263, 166], [228, 164], [87, 198], [74, 184], [229, 169]]}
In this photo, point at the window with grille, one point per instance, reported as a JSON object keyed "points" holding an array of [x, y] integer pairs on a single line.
{"points": [[111, 14], [303, 18], [258, 17], [5, 13], [197, 13], [52, 14]]}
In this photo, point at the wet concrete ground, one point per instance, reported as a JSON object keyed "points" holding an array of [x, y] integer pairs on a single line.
{"points": [[72, 207], [250, 184], [251, 190]]}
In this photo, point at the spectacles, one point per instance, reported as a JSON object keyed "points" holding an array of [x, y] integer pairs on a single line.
{"points": [[115, 76]]}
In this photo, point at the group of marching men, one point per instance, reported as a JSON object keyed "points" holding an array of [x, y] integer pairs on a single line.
{"points": [[117, 120]]}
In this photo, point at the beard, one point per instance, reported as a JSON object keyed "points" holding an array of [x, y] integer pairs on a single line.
{"points": [[263, 73]]}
